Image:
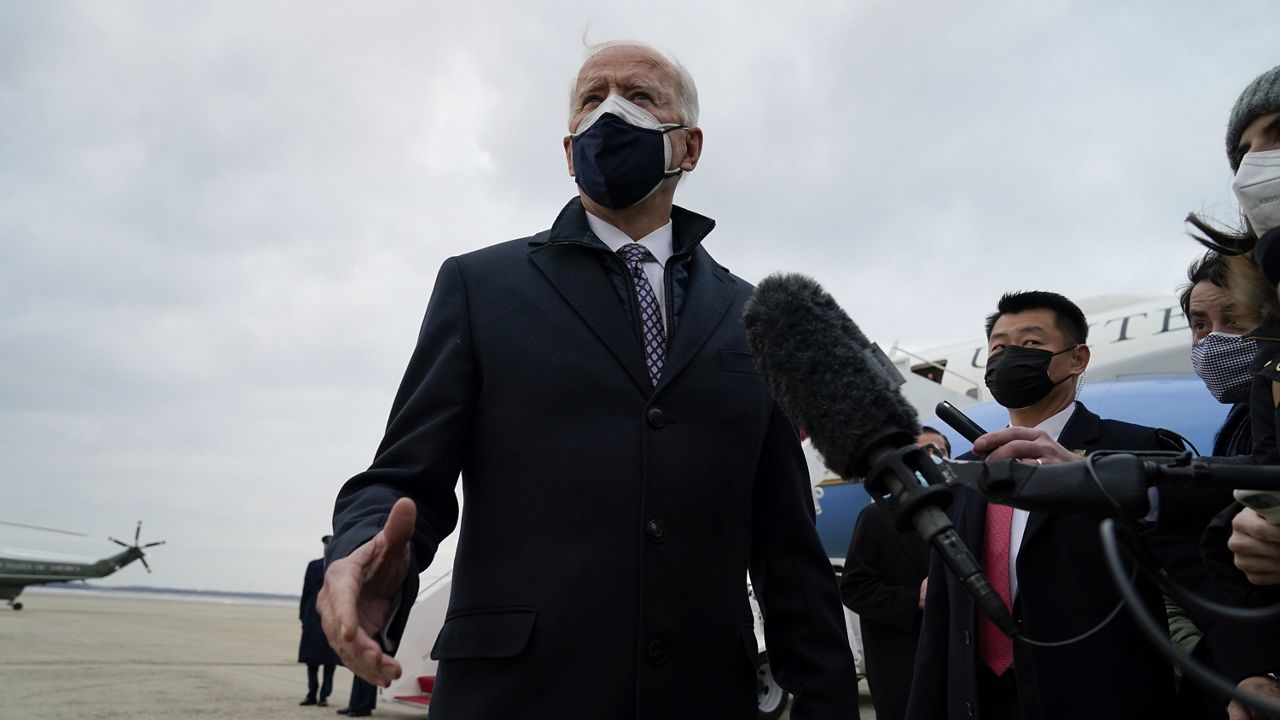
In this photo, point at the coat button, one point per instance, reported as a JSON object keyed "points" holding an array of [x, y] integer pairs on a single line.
{"points": [[657, 652], [968, 638], [657, 531], [656, 417]]}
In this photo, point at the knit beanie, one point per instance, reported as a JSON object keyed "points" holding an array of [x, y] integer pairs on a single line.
{"points": [[1260, 98]]}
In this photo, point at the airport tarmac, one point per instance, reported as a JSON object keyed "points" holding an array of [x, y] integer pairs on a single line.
{"points": [[74, 654]]}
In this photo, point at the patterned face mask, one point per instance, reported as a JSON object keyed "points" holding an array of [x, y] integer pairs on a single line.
{"points": [[1222, 361]]}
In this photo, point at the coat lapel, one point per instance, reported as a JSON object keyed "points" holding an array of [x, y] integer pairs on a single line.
{"points": [[1080, 433], [969, 514], [571, 258], [707, 299], [576, 274]]}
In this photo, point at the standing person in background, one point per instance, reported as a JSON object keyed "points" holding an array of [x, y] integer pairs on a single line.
{"points": [[1221, 355], [1221, 352], [884, 582], [1253, 150], [1241, 548], [1048, 568], [364, 698], [313, 648]]}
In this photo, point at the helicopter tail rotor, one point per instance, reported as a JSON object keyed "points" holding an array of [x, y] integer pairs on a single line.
{"points": [[138, 546]]}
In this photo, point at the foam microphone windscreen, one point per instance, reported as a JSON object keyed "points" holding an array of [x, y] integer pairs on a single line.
{"points": [[820, 369]]}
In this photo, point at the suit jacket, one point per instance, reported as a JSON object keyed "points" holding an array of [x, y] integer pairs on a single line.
{"points": [[881, 582], [608, 525], [1063, 590], [313, 647]]}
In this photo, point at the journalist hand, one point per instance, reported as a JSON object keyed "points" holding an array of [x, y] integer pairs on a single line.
{"points": [[1256, 545]]}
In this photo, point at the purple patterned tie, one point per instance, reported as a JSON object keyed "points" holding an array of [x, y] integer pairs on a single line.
{"points": [[655, 339]]}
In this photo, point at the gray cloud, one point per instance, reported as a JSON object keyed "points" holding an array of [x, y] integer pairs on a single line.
{"points": [[221, 222]]}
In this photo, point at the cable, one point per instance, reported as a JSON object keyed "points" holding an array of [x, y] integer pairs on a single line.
{"points": [[1182, 595], [1110, 616], [1159, 636]]}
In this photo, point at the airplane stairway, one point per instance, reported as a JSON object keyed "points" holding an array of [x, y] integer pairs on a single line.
{"points": [[426, 683]]}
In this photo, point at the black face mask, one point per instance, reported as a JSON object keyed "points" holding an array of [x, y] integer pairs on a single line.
{"points": [[619, 164], [1018, 376]]}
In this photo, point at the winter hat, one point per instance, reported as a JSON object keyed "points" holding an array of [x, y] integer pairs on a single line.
{"points": [[1260, 98]]}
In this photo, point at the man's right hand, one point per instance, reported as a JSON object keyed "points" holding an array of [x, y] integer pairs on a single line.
{"points": [[1025, 444], [359, 592]]}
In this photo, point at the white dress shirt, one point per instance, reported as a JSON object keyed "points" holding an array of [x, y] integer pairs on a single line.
{"points": [[659, 244], [1053, 427]]}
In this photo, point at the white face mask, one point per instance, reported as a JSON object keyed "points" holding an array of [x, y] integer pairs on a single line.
{"points": [[1257, 187]]}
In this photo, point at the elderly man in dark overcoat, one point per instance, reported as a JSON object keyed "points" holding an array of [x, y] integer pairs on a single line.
{"points": [[623, 466]]}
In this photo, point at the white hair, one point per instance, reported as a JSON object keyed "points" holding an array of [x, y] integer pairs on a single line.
{"points": [[688, 91]]}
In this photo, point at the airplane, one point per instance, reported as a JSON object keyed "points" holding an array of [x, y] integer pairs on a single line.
{"points": [[17, 572]]}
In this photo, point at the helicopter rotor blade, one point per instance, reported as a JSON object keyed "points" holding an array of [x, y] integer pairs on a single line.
{"points": [[145, 564], [46, 529], [153, 544], [137, 534], [118, 542]]}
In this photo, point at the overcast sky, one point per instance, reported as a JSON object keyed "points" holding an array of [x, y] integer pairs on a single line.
{"points": [[220, 221]]}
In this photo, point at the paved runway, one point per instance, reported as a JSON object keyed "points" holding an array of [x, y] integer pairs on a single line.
{"points": [[72, 654]]}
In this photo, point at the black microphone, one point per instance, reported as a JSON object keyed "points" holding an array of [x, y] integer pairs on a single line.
{"points": [[1120, 489], [1111, 485], [951, 415], [829, 379]]}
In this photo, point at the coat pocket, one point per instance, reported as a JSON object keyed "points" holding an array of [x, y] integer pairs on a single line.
{"points": [[489, 633], [736, 361]]}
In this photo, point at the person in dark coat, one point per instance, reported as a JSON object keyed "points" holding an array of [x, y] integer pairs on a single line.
{"points": [[884, 582], [1048, 568], [623, 465], [364, 698], [313, 648], [1238, 543]]}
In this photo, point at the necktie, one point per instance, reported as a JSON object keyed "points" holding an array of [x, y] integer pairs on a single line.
{"points": [[655, 341], [995, 647]]}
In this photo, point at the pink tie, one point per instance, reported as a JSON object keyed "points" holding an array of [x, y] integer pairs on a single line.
{"points": [[995, 647]]}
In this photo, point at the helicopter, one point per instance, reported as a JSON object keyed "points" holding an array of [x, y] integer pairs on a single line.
{"points": [[16, 573]]}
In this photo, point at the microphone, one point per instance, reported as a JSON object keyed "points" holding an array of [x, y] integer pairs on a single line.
{"points": [[1115, 486], [834, 383], [951, 415]]}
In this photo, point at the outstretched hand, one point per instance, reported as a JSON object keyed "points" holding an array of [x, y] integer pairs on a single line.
{"points": [[359, 592], [1018, 443]]}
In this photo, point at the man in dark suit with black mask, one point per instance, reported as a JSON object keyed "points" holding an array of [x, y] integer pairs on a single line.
{"points": [[1048, 568], [623, 465]]}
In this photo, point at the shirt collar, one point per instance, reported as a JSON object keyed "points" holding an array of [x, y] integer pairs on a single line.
{"points": [[1054, 424], [658, 242]]}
